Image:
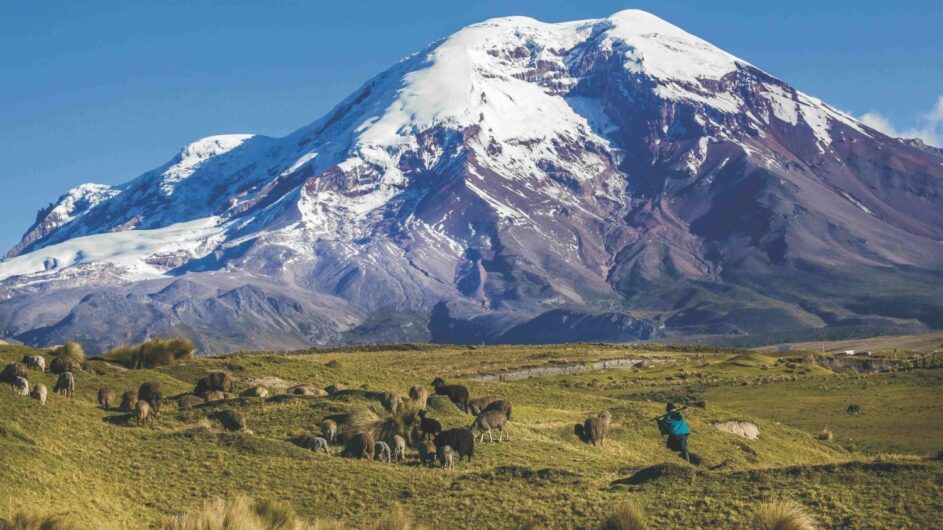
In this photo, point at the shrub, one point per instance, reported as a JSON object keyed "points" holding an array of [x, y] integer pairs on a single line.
{"points": [[825, 435], [151, 353], [782, 515], [625, 516], [70, 351], [32, 520], [244, 513], [394, 519]]}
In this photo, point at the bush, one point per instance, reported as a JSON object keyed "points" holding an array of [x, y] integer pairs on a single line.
{"points": [[151, 353], [30, 520], [625, 516], [782, 515], [243, 513], [70, 351]]}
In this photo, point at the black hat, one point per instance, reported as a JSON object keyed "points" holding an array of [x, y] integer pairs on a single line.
{"points": [[670, 407]]}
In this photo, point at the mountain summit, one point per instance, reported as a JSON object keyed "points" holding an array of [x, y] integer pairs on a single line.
{"points": [[602, 180]]}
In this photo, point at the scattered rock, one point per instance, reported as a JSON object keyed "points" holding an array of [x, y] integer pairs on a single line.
{"points": [[744, 429]]}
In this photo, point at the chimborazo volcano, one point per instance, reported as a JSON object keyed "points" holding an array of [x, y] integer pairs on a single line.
{"points": [[600, 180]]}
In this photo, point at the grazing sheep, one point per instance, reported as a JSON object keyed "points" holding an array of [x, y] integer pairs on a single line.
{"points": [[216, 395], [214, 380], [232, 420], [503, 405], [488, 420], [457, 394], [461, 440], [399, 448], [128, 400], [153, 393], [21, 386], [11, 371], [446, 457], [480, 404], [853, 410], [429, 426], [258, 391], [419, 396], [61, 366], [596, 429], [319, 445], [391, 401], [189, 400], [360, 445], [383, 452], [105, 397], [65, 384], [329, 429], [39, 393], [35, 361], [141, 411], [306, 390], [426, 453]]}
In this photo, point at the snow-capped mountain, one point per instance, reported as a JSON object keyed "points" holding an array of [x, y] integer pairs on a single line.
{"points": [[603, 180]]}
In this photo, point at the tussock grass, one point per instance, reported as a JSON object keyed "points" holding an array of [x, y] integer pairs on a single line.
{"points": [[825, 434], [394, 519], [151, 353], [70, 351], [35, 520], [240, 513], [625, 516], [782, 515]]}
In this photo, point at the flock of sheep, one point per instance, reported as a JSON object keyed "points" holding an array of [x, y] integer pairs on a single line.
{"points": [[432, 442]]}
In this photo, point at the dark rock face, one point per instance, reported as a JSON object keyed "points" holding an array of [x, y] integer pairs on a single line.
{"points": [[644, 199]]}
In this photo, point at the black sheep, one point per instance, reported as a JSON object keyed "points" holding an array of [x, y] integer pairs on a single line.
{"points": [[503, 405], [457, 394], [462, 441], [153, 393], [428, 426]]}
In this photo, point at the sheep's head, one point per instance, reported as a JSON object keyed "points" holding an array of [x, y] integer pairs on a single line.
{"points": [[606, 415], [437, 382]]}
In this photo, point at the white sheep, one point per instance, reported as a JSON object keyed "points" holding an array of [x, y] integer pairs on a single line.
{"points": [[399, 448], [21, 385], [319, 445], [39, 393], [329, 429], [446, 457], [383, 452]]}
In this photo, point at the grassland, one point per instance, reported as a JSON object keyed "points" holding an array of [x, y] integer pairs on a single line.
{"points": [[71, 456]]}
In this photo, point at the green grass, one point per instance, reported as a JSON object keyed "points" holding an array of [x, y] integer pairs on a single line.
{"points": [[107, 473]]}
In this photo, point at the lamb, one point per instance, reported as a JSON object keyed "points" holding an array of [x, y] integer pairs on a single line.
{"points": [[214, 380], [128, 400], [399, 448], [596, 429], [11, 371], [427, 453], [461, 440], [361, 445], [39, 393], [22, 386], [383, 451], [35, 361], [153, 393], [429, 426], [419, 396], [391, 401], [488, 420], [503, 405], [189, 400], [141, 411], [258, 391], [329, 429], [480, 404], [446, 457], [319, 445], [105, 397], [457, 394], [65, 384]]}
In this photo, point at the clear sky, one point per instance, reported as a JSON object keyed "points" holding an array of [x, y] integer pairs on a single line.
{"points": [[103, 91]]}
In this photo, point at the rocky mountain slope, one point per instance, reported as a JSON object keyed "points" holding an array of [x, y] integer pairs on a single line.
{"points": [[602, 180]]}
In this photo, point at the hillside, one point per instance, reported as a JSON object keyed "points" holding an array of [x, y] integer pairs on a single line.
{"points": [[606, 180], [106, 472]]}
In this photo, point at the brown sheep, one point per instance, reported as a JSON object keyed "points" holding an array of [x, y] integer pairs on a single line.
{"points": [[39, 393], [106, 398], [329, 429], [232, 420], [128, 400], [503, 405], [215, 380], [596, 429], [427, 452], [361, 445], [11, 371], [419, 396], [61, 366], [65, 384], [217, 395], [258, 391], [153, 393], [391, 401], [306, 390], [189, 400], [480, 404], [488, 420], [141, 411]]}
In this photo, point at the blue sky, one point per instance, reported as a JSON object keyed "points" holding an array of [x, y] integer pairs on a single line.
{"points": [[103, 91]]}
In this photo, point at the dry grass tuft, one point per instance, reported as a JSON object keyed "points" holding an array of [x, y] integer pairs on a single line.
{"points": [[151, 353], [825, 434], [625, 516], [32, 520], [394, 519], [244, 513], [782, 515], [70, 351]]}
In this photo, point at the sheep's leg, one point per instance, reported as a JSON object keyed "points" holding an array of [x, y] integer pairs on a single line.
{"points": [[490, 436]]}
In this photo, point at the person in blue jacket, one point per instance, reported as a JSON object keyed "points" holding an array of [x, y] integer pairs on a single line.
{"points": [[673, 424]]}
